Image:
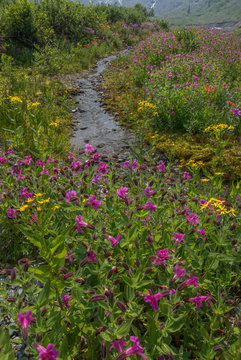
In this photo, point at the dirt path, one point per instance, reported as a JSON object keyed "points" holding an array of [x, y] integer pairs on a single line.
{"points": [[91, 122]]}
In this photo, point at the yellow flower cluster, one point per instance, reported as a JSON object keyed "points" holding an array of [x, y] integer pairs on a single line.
{"points": [[218, 128], [14, 99], [218, 205], [143, 105], [194, 164], [31, 105], [53, 124]]}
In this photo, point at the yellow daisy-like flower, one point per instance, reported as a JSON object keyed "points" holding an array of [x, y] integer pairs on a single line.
{"points": [[56, 207], [31, 105], [29, 200], [14, 99], [38, 195], [219, 173], [23, 208], [38, 208], [205, 180], [53, 124], [44, 201]]}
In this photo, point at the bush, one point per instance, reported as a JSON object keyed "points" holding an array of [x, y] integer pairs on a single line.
{"points": [[17, 23]]}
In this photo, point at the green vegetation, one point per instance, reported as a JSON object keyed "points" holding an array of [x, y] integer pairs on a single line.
{"points": [[183, 94], [40, 41], [110, 259]]}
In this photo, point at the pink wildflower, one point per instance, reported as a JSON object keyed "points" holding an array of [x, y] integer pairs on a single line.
{"points": [[162, 167], [66, 299], [11, 213], [186, 175], [178, 238], [148, 192], [179, 273], [2, 159], [135, 349], [96, 157], [102, 168], [25, 320], [81, 224], [192, 219], [95, 203], [191, 281], [135, 165], [10, 151], [70, 195], [50, 159], [47, 353], [153, 299], [40, 163], [89, 148], [122, 192], [113, 240], [118, 344], [162, 256], [199, 299], [126, 164], [150, 206]]}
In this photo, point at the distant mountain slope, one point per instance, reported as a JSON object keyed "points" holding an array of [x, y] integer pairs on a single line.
{"points": [[187, 11]]}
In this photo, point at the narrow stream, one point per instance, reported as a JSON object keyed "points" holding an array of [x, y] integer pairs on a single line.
{"points": [[92, 123]]}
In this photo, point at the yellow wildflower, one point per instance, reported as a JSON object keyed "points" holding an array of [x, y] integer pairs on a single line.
{"points": [[53, 123], [205, 180], [38, 195], [14, 99], [38, 208], [56, 207], [44, 201], [23, 208], [29, 200], [30, 105]]}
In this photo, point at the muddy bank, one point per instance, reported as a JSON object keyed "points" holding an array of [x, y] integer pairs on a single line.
{"points": [[91, 123]]}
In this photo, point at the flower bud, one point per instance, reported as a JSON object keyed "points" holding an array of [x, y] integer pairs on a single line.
{"points": [[121, 306], [120, 320], [66, 276], [80, 280], [125, 266], [26, 266], [103, 350], [233, 227], [11, 299], [39, 337], [102, 328], [148, 270], [98, 297], [13, 274], [116, 282], [43, 312], [107, 312]]}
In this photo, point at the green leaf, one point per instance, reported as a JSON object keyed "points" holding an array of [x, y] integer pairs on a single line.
{"points": [[43, 297], [6, 349], [154, 332], [123, 329], [177, 323], [30, 238]]}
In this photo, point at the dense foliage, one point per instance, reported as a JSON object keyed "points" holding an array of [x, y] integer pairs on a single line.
{"points": [[185, 83], [130, 260]]}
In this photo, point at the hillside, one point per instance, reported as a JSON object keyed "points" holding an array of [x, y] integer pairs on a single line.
{"points": [[218, 12]]}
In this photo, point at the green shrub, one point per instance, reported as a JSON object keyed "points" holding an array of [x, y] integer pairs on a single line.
{"points": [[17, 23]]}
